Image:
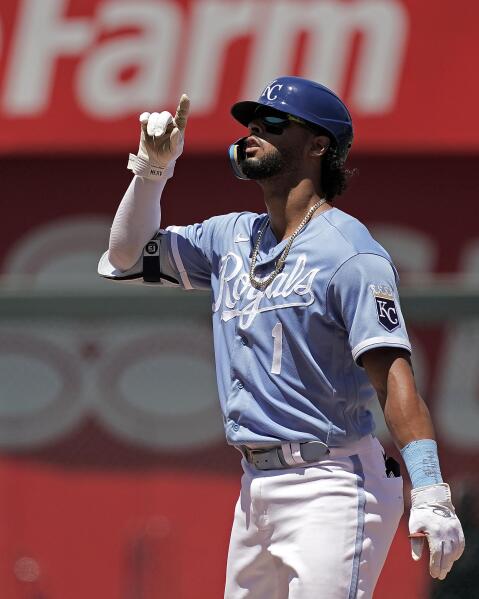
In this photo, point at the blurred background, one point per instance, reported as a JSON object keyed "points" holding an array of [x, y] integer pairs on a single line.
{"points": [[115, 479]]}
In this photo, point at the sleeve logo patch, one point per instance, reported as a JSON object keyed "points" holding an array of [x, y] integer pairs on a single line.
{"points": [[386, 307]]}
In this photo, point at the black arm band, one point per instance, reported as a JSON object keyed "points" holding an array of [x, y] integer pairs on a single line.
{"points": [[152, 263]]}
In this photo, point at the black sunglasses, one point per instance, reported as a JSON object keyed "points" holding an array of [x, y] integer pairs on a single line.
{"points": [[276, 122]]}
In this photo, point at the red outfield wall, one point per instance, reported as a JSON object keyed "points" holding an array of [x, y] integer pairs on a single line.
{"points": [[111, 489]]}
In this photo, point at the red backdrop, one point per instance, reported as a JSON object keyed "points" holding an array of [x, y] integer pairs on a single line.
{"points": [[74, 74]]}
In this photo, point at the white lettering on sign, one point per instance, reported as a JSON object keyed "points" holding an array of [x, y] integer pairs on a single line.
{"points": [[152, 52], [42, 37], [173, 50], [208, 44], [331, 26]]}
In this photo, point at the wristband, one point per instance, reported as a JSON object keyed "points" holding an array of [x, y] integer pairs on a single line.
{"points": [[143, 168], [422, 462]]}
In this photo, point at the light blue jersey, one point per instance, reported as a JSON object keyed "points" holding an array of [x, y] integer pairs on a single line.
{"points": [[288, 359]]}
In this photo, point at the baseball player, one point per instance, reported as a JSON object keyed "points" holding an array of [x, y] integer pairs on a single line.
{"points": [[307, 331]]}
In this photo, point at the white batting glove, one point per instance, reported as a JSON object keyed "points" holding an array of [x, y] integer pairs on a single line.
{"points": [[161, 142], [433, 518]]}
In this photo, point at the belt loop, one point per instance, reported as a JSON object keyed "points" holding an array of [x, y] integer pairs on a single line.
{"points": [[292, 454], [296, 453], [245, 451], [287, 454]]}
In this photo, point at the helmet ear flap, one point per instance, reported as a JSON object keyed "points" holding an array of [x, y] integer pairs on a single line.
{"points": [[236, 152]]}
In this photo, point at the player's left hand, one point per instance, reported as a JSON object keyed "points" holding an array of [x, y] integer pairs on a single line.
{"points": [[162, 135], [433, 518]]}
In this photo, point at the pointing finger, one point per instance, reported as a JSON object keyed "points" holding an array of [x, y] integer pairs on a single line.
{"points": [[182, 112]]}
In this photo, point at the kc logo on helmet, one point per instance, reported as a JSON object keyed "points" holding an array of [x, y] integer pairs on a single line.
{"points": [[386, 307], [269, 90]]}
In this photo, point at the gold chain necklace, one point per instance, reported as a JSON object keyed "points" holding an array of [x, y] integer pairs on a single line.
{"points": [[261, 284]]}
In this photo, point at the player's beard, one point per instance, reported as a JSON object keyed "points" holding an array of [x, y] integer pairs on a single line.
{"points": [[271, 164]]}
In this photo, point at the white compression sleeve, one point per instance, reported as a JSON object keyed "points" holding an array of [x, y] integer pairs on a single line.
{"points": [[136, 221]]}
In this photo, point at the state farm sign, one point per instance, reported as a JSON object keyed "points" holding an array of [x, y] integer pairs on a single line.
{"points": [[76, 73]]}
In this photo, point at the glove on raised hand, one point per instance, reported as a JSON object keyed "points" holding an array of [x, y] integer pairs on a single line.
{"points": [[433, 517], [161, 142]]}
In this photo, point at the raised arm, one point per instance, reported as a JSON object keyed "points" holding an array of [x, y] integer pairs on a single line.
{"points": [[138, 216]]}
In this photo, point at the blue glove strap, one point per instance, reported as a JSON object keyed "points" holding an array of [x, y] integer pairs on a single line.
{"points": [[422, 462]]}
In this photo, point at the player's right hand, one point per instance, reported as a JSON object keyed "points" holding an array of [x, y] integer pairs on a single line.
{"points": [[162, 135]]}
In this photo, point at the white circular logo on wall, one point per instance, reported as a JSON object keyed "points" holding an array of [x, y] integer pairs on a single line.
{"points": [[150, 382], [158, 387], [63, 253]]}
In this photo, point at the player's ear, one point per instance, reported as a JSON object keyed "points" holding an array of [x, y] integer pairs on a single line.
{"points": [[319, 146]]}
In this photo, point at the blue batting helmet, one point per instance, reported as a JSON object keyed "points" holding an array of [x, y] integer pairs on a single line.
{"points": [[307, 100]]}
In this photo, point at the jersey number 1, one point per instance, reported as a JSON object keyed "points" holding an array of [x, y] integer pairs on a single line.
{"points": [[277, 348]]}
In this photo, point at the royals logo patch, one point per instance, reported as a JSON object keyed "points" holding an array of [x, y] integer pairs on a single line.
{"points": [[386, 307]]}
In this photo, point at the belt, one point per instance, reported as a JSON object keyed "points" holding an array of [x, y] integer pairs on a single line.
{"points": [[286, 455]]}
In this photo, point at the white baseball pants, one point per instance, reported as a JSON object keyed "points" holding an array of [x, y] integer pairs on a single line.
{"points": [[320, 532]]}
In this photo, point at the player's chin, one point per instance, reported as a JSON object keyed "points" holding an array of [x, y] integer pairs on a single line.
{"points": [[262, 167]]}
